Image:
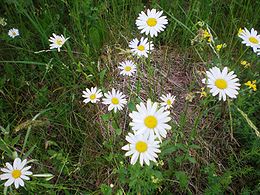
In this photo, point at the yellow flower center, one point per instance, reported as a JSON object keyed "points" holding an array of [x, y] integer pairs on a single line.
{"points": [[253, 40], [168, 102], [141, 146], [59, 42], [151, 22], [115, 101], [16, 173], [92, 96], [14, 33], [128, 68], [140, 47], [221, 83], [150, 122]]}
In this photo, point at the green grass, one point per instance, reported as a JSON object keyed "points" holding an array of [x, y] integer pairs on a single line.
{"points": [[43, 116]]}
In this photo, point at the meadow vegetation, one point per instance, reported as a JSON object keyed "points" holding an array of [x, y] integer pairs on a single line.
{"points": [[212, 147]]}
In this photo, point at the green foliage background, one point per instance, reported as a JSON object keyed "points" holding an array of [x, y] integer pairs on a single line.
{"points": [[67, 143]]}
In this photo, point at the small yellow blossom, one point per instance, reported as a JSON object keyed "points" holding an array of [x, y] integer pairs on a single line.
{"points": [[207, 35], [245, 64], [239, 31], [203, 93], [220, 46], [251, 85]]}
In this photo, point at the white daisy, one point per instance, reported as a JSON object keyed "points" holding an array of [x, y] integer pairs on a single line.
{"points": [[115, 99], [92, 95], [150, 119], [57, 41], [222, 83], [168, 100], [250, 39], [258, 52], [16, 173], [127, 68], [13, 32], [143, 147], [141, 48], [152, 23]]}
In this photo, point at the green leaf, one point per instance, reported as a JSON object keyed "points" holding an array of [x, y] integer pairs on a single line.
{"points": [[105, 189], [94, 37], [5, 147], [101, 76], [191, 159], [131, 106], [15, 140], [105, 117], [118, 131], [169, 150], [29, 151], [182, 178]]}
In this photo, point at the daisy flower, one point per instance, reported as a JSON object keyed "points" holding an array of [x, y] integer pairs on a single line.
{"points": [[57, 41], [13, 32], [151, 23], [115, 99], [92, 95], [167, 100], [141, 48], [143, 147], [16, 173], [150, 119], [127, 68], [250, 39], [222, 83]]}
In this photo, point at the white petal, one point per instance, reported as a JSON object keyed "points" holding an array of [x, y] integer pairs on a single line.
{"points": [[9, 182]]}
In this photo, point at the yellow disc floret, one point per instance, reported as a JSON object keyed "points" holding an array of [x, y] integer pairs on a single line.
{"points": [[92, 96], [115, 100], [128, 68], [221, 83], [59, 42], [253, 40], [141, 47], [150, 122], [141, 146], [151, 22], [16, 173]]}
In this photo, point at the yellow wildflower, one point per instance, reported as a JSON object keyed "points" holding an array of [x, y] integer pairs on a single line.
{"points": [[206, 34], [203, 93], [239, 31], [220, 46], [251, 85], [245, 64]]}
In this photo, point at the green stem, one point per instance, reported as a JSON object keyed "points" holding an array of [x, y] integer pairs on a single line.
{"points": [[149, 68], [231, 119]]}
